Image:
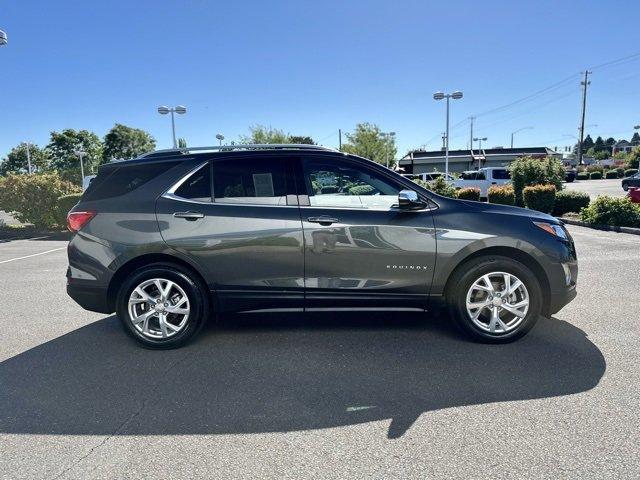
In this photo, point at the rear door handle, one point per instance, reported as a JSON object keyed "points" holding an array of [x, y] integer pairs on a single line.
{"points": [[191, 216], [323, 220]]}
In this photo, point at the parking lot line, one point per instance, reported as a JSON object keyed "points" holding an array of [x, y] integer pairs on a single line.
{"points": [[32, 255]]}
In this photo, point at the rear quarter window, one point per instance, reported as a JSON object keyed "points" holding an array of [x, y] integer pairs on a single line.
{"points": [[124, 180]]}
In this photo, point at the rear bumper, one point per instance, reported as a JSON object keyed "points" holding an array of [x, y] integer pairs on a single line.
{"points": [[89, 297]]}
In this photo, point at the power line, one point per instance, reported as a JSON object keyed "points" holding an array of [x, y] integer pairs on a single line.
{"points": [[612, 62]]}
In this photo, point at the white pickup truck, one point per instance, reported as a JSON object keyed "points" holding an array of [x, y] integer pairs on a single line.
{"points": [[483, 179]]}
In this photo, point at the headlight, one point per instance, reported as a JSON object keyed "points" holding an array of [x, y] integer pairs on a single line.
{"points": [[553, 229]]}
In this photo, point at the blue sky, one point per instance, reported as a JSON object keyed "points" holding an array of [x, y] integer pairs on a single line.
{"points": [[311, 68]]}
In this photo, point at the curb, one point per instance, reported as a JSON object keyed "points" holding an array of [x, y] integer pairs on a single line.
{"points": [[607, 228]]}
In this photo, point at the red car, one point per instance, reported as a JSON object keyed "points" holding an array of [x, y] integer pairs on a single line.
{"points": [[634, 194]]}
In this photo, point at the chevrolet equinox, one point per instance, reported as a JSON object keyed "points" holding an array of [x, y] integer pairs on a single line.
{"points": [[172, 236]]}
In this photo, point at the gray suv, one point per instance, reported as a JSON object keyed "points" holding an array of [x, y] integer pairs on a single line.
{"points": [[170, 237]]}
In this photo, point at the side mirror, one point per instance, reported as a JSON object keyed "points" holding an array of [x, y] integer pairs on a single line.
{"points": [[409, 200]]}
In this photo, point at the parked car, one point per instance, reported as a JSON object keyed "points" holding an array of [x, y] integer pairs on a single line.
{"points": [[169, 238], [483, 179], [427, 177], [632, 181], [569, 175], [634, 194]]}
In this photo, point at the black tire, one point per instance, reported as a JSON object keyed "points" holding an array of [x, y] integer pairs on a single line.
{"points": [[465, 276], [195, 292], [625, 187]]}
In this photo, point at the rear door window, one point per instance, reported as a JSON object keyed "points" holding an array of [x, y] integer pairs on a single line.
{"points": [[197, 187], [501, 175], [257, 181]]}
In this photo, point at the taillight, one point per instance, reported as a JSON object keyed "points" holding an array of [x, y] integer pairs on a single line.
{"points": [[77, 220]]}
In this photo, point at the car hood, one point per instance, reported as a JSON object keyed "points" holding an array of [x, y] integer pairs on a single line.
{"points": [[509, 210]]}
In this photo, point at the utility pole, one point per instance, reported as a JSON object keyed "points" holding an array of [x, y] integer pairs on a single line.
{"points": [[585, 83], [340, 139], [471, 133], [444, 138]]}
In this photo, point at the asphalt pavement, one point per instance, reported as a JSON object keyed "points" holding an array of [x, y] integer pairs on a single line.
{"points": [[320, 396], [595, 188]]}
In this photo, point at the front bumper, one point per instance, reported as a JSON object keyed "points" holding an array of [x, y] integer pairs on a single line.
{"points": [[558, 300]]}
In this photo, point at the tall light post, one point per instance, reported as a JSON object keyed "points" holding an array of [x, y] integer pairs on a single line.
{"points": [[519, 130], [388, 136], [26, 146], [81, 154], [480, 140], [180, 110], [220, 138], [440, 96]]}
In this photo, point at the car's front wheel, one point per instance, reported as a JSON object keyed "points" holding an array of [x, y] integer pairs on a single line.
{"points": [[495, 299], [161, 306], [625, 187]]}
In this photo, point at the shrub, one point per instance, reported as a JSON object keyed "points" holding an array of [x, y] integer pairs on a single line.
{"points": [[442, 187], [611, 174], [570, 201], [33, 198], [582, 176], [620, 172], [595, 168], [328, 189], [527, 171], [630, 171], [633, 158], [504, 195], [469, 193], [595, 175], [540, 197], [64, 204], [606, 210], [362, 190]]}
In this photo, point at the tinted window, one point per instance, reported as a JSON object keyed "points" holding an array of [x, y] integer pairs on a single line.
{"points": [[198, 186], [480, 176], [469, 175], [260, 181], [348, 185], [501, 175], [124, 180]]}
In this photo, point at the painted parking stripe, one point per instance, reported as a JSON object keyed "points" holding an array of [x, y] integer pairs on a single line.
{"points": [[33, 255]]}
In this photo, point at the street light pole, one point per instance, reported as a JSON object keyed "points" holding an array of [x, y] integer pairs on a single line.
{"points": [[220, 138], [440, 96], [480, 140], [26, 144], [179, 110], [519, 130], [80, 155]]}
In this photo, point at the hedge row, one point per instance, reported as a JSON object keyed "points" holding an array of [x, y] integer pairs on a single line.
{"points": [[618, 212], [34, 198], [540, 197], [503, 195], [570, 201]]}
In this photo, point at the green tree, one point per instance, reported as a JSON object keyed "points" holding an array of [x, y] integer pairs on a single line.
{"points": [[262, 134], [587, 143], [16, 160], [368, 141], [122, 142], [599, 145], [602, 155], [63, 147], [635, 140], [527, 171], [301, 139]]}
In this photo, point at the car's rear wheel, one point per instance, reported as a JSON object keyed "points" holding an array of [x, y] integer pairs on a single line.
{"points": [[495, 299], [162, 306]]}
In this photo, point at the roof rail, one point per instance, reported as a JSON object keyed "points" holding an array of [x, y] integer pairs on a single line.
{"points": [[228, 148]]}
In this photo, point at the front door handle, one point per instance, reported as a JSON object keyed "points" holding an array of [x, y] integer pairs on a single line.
{"points": [[191, 216], [323, 220]]}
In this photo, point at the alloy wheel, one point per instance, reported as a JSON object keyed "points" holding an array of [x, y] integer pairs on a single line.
{"points": [[158, 308], [497, 302]]}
